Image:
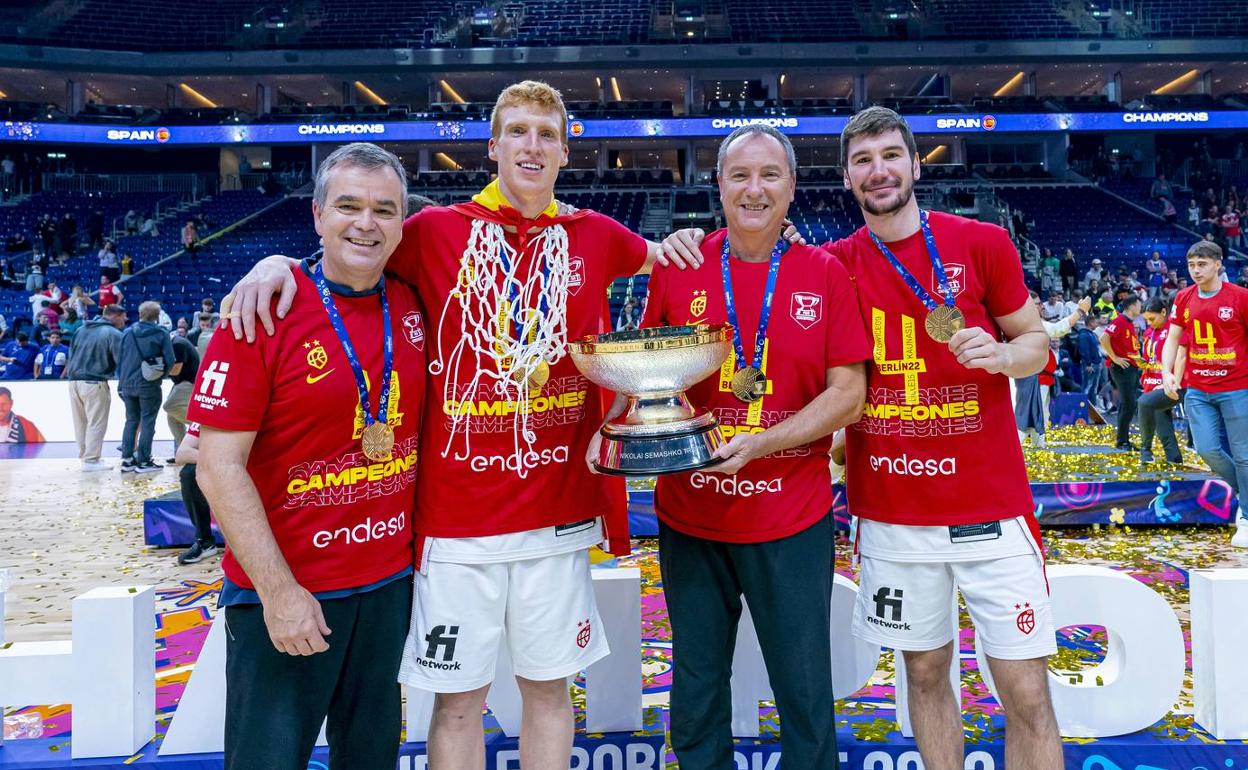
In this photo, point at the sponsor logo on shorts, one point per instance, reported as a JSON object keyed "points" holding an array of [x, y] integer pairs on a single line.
{"points": [[440, 638], [583, 633], [1026, 620], [734, 487], [913, 466], [888, 603]]}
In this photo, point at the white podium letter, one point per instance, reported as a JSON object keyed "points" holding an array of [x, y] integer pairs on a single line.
{"points": [[1219, 628]]}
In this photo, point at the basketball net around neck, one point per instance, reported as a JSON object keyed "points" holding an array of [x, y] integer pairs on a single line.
{"points": [[490, 273]]}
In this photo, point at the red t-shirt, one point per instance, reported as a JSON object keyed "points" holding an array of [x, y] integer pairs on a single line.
{"points": [[340, 519], [815, 325], [937, 443], [1122, 339], [553, 486], [108, 295], [1151, 345], [1215, 330], [1230, 224]]}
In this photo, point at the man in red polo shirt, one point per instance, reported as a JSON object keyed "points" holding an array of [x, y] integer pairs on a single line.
{"points": [[1121, 346], [308, 459], [1211, 317], [759, 525], [504, 508]]}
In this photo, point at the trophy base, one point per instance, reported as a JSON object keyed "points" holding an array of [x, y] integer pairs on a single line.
{"points": [[657, 454]]}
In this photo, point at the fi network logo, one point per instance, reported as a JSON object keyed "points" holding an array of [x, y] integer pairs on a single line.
{"points": [[888, 602], [212, 380], [442, 637]]}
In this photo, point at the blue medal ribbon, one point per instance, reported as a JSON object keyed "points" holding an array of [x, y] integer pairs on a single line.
{"points": [[764, 317], [340, 329], [522, 325], [933, 254]]}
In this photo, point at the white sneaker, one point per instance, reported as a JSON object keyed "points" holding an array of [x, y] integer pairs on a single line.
{"points": [[89, 466], [1240, 538]]}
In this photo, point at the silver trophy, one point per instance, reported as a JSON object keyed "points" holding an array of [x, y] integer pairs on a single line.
{"points": [[659, 431]]}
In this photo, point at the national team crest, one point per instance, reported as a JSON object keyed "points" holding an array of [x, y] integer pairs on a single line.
{"points": [[957, 279], [1224, 313], [806, 308], [698, 305], [414, 327], [583, 633], [317, 357], [1026, 620], [576, 275]]}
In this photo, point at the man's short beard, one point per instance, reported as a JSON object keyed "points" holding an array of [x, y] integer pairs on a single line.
{"points": [[903, 198]]}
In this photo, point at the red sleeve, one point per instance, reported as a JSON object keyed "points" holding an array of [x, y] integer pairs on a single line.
{"points": [[847, 341], [1004, 289], [627, 251], [233, 385], [405, 259], [656, 290], [1176, 311]]}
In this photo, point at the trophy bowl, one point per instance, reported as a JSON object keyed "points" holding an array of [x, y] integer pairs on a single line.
{"points": [[659, 431]]}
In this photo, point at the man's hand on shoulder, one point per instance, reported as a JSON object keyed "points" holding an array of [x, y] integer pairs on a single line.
{"points": [[681, 249], [252, 295]]}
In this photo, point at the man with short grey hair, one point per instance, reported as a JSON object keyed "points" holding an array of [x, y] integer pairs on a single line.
{"points": [[758, 525], [93, 354], [145, 356]]}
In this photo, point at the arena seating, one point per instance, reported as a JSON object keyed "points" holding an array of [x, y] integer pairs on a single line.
{"points": [[1015, 19], [1095, 225], [1194, 18], [585, 22], [181, 283]]}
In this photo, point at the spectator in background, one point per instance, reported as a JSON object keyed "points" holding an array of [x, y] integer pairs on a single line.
{"points": [[95, 228], [1161, 188], [630, 316], [52, 359], [180, 328], [149, 227], [1156, 267], [190, 239], [145, 356], [209, 306], [71, 322], [1054, 309], [132, 222], [109, 265], [1069, 271], [186, 357], [108, 293], [1229, 223], [18, 357], [1088, 349], [7, 279], [202, 330], [34, 277], [67, 236], [1242, 280], [127, 264], [78, 301], [92, 361], [1156, 408], [4, 327], [1121, 345], [39, 302], [1169, 212], [47, 234], [55, 294], [1193, 215], [1050, 271], [1171, 284], [1095, 273], [187, 456]]}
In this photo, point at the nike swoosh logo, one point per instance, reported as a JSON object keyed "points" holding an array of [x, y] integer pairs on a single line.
{"points": [[313, 380]]}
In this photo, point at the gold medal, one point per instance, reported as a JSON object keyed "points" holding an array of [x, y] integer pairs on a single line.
{"points": [[749, 384], [943, 322], [535, 379], [378, 441]]}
